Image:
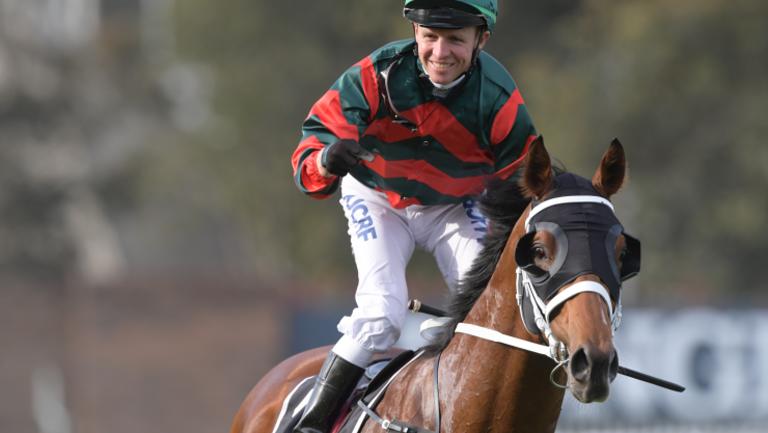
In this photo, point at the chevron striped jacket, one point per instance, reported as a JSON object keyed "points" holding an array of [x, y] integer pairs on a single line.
{"points": [[431, 150]]}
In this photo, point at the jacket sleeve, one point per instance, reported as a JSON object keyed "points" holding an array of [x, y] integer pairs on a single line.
{"points": [[343, 112], [512, 133]]}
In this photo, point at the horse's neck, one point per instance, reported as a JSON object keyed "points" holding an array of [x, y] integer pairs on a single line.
{"points": [[496, 387]]}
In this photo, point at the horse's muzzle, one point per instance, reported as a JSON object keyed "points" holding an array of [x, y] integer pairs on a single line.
{"points": [[591, 372]]}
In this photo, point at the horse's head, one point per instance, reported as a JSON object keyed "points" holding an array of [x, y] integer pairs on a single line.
{"points": [[572, 256]]}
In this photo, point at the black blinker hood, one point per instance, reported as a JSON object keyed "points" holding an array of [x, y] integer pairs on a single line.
{"points": [[585, 234]]}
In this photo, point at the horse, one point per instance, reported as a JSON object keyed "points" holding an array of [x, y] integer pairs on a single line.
{"points": [[483, 385]]}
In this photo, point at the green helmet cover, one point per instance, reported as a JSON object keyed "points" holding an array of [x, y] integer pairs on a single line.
{"points": [[487, 8]]}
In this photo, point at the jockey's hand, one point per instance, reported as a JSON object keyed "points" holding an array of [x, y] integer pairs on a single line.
{"points": [[341, 156]]}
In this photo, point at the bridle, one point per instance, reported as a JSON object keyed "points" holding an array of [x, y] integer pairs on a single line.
{"points": [[535, 311], [537, 299], [589, 221]]}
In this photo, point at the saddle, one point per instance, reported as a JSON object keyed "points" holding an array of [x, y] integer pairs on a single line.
{"points": [[377, 376]]}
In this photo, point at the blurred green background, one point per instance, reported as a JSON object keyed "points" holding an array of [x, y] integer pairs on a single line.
{"points": [[148, 217]]}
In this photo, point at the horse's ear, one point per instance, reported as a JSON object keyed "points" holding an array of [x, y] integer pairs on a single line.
{"points": [[613, 168], [537, 176]]}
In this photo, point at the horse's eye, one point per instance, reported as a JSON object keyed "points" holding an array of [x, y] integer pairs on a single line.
{"points": [[622, 254], [539, 253]]}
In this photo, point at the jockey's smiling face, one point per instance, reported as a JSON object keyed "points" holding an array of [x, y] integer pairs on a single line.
{"points": [[445, 54]]}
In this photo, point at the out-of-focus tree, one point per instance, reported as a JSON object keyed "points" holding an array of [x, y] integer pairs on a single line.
{"points": [[267, 65], [681, 83], [684, 84], [75, 102]]}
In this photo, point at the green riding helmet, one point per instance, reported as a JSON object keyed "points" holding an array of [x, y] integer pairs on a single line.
{"points": [[452, 14]]}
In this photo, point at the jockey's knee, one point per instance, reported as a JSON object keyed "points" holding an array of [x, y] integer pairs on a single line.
{"points": [[373, 334], [366, 337], [378, 335]]}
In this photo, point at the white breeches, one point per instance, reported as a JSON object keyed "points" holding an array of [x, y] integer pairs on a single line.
{"points": [[383, 240]]}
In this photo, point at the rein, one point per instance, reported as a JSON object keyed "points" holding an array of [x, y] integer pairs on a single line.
{"points": [[508, 340]]}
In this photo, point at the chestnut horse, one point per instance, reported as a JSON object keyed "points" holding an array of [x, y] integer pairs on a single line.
{"points": [[483, 385]]}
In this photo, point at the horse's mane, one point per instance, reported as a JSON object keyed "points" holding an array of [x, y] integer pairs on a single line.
{"points": [[502, 203]]}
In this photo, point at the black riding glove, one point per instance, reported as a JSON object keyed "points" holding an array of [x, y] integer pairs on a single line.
{"points": [[341, 156]]}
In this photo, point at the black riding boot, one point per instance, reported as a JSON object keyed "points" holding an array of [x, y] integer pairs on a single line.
{"points": [[334, 383]]}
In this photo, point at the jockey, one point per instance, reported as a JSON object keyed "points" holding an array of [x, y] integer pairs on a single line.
{"points": [[411, 133]]}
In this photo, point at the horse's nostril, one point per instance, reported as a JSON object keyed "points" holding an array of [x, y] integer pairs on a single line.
{"points": [[580, 365], [613, 368]]}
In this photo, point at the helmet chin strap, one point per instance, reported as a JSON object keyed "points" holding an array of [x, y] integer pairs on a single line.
{"points": [[476, 50]]}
